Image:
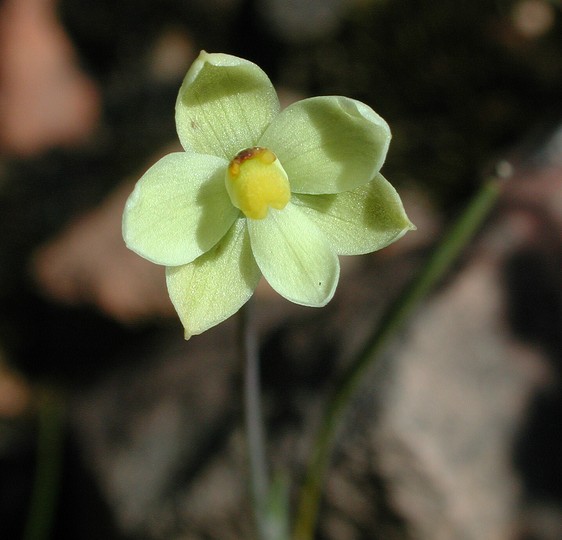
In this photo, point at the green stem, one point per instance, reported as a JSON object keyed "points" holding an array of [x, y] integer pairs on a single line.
{"points": [[254, 420], [47, 472], [434, 269]]}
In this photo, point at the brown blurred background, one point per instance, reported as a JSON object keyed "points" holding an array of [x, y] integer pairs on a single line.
{"points": [[458, 437]]}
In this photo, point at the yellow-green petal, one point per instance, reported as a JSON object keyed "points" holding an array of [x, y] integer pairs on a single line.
{"points": [[179, 209], [328, 144], [224, 105], [217, 284], [363, 220], [294, 256]]}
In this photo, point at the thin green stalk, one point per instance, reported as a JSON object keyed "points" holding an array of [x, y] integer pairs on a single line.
{"points": [[254, 420], [47, 471], [446, 253]]}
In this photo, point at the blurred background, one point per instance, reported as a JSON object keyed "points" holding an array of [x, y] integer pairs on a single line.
{"points": [[458, 436]]}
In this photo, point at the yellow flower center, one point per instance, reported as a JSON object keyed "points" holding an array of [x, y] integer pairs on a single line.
{"points": [[256, 181]]}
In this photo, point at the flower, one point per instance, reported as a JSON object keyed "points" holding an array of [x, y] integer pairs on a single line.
{"points": [[260, 192]]}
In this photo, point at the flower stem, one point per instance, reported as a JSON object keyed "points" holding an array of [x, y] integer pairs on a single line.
{"points": [[254, 419], [446, 253], [47, 471]]}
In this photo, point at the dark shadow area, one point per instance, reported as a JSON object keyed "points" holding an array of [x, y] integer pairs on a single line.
{"points": [[533, 277], [80, 511]]}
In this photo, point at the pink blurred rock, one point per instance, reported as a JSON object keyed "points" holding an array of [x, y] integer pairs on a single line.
{"points": [[45, 99]]}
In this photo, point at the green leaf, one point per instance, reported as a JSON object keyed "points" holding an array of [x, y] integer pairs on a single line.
{"points": [[179, 209], [294, 256], [224, 105], [217, 284], [360, 221], [328, 144]]}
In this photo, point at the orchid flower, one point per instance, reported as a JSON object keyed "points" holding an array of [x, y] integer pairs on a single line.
{"points": [[261, 192]]}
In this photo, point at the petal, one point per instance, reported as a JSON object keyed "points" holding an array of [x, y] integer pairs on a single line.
{"points": [[328, 144], [360, 221], [224, 105], [179, 209], [294, 256], [217, 284]]}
